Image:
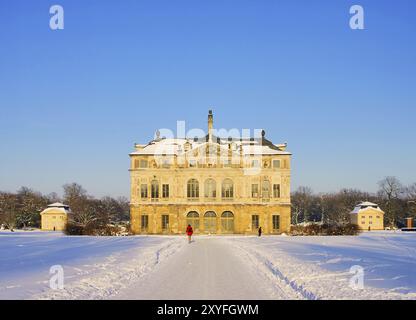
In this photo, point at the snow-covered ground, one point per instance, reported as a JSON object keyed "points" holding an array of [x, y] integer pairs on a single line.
{"points": [[223, 267], [94, 267]]}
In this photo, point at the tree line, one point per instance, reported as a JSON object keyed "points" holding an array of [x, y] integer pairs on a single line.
{"points": [[22, 209], [395, 199]]}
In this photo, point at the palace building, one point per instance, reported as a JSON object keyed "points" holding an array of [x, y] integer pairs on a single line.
{"points": [[217, 185]]}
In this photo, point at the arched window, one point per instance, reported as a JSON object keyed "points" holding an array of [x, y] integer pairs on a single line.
{"points": [[210, 188], [265, 188], [210, 222], [155, 189], [193, 219], [227, 222], [227, 188], [193, 188]]}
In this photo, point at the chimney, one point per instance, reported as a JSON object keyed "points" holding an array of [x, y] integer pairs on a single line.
{"points": [[210, 125]]}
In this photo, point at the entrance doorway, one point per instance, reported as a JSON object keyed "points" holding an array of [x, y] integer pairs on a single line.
{"points": [[227, 222], [210, 222], [193, 219]]}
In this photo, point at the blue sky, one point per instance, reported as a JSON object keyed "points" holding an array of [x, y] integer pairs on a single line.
{"points": [[73, 102]]}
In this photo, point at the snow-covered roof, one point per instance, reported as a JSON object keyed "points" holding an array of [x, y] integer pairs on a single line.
{"points": [[182, 146], [366, 205], [56, 210], [179, 146], [57, 205]]}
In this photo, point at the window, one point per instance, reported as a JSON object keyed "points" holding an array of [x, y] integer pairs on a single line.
{"points": [[266, 189], [276, 222], [193, 219], [143, 191], [193, 188], [140, 163], [165, 191], [255, 222], [165, 222], [210, 188], [276, 164], [276, 190], [227, 222], [254, 190], [144, 222], [227, 188], [155, 189], [144, 164]]}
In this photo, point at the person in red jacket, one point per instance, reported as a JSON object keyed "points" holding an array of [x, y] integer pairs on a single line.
{"points": [[189, 232]]}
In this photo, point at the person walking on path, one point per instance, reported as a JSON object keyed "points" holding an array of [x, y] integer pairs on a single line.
{"points": [[189, 232], [260, 231]]}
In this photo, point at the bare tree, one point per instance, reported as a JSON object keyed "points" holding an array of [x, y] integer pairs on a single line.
{"points": [[390, 191], [31, 203], [8, 210], [301, 204]]}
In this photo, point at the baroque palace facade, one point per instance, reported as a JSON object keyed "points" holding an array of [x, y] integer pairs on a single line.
{"points": [[219, 186]]}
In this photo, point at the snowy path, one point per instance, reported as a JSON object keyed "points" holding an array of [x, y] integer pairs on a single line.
{"points": [[218, 267], [207, 269]]}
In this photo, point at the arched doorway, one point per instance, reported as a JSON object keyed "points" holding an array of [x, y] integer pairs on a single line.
{"points": [[210, 222], [193, 219], [227, 222]]}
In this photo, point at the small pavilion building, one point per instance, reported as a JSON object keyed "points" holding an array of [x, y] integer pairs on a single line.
{"points": [[55, 217], [368, 216]]}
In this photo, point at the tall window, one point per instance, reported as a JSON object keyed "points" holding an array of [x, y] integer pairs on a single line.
{"points": [[193, 188], [255, 222], [276, 190], [227, 188], [265, 189], [254, 190], [276, 222], [145, 222], [165, 222], [143, 191], [165, 191], [155, 189], [210, 188]]}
